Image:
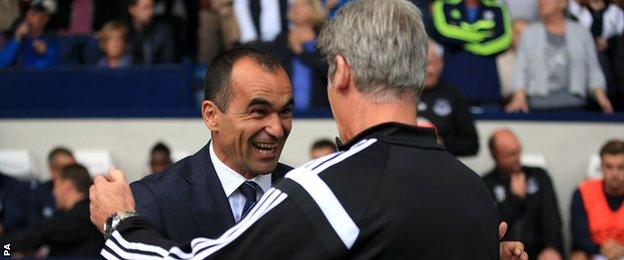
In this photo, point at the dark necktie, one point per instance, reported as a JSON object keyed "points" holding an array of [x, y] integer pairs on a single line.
{"points": [[249, 189], [255, 15]]}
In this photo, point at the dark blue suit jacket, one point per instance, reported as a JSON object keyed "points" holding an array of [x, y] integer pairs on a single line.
{"points": [[187, 200]]}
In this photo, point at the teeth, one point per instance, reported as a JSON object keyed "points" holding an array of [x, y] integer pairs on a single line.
{"points": [[265, 146]]}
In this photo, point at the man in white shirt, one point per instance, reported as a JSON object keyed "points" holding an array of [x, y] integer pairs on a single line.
{"points": [[248, 110]]}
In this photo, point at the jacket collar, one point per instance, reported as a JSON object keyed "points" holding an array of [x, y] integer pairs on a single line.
{"points": [[397, 133]]}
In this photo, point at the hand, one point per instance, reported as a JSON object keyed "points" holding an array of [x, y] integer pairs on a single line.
{"points": [[518, 103], [21, 31], [601, 44], [518, 184], [549, 254], [108, 195], [511, 250], [603, 101], [612, 249], [40, 47]]}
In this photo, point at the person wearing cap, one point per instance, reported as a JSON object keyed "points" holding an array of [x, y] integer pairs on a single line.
{"points": [[32, 46]]}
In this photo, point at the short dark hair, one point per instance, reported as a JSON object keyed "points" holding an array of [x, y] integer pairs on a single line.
{"points": [[58, 151], [218, 82], [612, 147], [161, 148], [324, 143], [79, 176]]}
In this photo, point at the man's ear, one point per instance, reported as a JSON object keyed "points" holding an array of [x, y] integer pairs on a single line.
{"points": [[342, 74], [210, 114]]}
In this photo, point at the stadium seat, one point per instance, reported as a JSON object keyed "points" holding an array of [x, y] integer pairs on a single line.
{"points": [[97, 161], [593, 167], [534, 160], [19, 163]]}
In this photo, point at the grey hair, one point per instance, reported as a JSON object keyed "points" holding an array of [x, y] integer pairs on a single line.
{"points": [[384, 43]]}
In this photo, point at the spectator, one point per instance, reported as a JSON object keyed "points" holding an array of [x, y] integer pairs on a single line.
{"points": [[182, 18], [73, 22], [13, 197], [472, 33], [556, 65], [444, 106], [113, 40], [260, 20], [506, 62], [523, 9], [32, 46], [321, 148], [42, 205], [69, 233], [605, 20], [526, 199], [217, 29], [597, 222], [160, 158], [303, 62], [150, 42]]}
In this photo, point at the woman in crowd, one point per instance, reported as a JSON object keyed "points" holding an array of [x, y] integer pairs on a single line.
{"points": [[557, 65]]}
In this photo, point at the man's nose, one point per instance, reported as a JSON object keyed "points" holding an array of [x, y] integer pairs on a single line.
{"points": [[274, 126]]}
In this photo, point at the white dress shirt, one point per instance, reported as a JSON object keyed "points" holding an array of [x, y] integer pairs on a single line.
{"points": [[231, 181], [270, 20]]}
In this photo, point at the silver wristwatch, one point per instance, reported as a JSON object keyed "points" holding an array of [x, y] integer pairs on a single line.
{"points": [[114, 220]]}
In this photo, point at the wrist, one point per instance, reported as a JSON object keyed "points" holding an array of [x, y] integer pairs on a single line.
{"points": [[114, 220]]}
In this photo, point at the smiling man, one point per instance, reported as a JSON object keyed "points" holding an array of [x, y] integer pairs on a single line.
{"points": [[248, 109]]}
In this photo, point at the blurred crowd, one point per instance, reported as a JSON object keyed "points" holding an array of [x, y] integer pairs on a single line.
{"points": [[517, 56]]}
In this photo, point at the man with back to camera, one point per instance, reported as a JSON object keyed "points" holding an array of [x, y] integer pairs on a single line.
{"points": [[377, 198], [525, 197], [596, 221], [248, 110]]}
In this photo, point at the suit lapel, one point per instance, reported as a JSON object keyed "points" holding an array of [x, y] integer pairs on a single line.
{"points": [[204, 197]]}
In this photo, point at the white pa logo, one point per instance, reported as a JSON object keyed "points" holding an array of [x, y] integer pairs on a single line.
{"points": [[7, 250]]}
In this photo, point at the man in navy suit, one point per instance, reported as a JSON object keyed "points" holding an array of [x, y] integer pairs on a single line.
{"points": [[247, 107]]}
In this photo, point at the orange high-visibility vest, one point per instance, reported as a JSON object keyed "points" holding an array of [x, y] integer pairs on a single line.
{"points": [[604, 224]]}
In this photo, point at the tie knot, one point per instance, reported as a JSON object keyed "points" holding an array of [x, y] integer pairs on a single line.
{"points": [[249, 190]]}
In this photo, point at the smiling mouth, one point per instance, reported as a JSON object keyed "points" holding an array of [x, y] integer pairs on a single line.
{"points": [[265, 148]]}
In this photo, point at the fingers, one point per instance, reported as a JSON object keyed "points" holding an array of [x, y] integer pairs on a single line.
{"points": [[99, 179], [502, 229], [524, 256], [116, 175]]}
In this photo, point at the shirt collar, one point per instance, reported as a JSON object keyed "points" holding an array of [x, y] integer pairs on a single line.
{"points": [[231, 180]]}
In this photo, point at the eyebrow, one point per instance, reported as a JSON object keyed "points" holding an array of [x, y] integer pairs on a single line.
{"points": [[264, 102], [259, 101]]}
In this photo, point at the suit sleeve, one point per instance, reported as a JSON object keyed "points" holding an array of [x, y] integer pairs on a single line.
{"points": [[551, 219], [147, 206]]}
